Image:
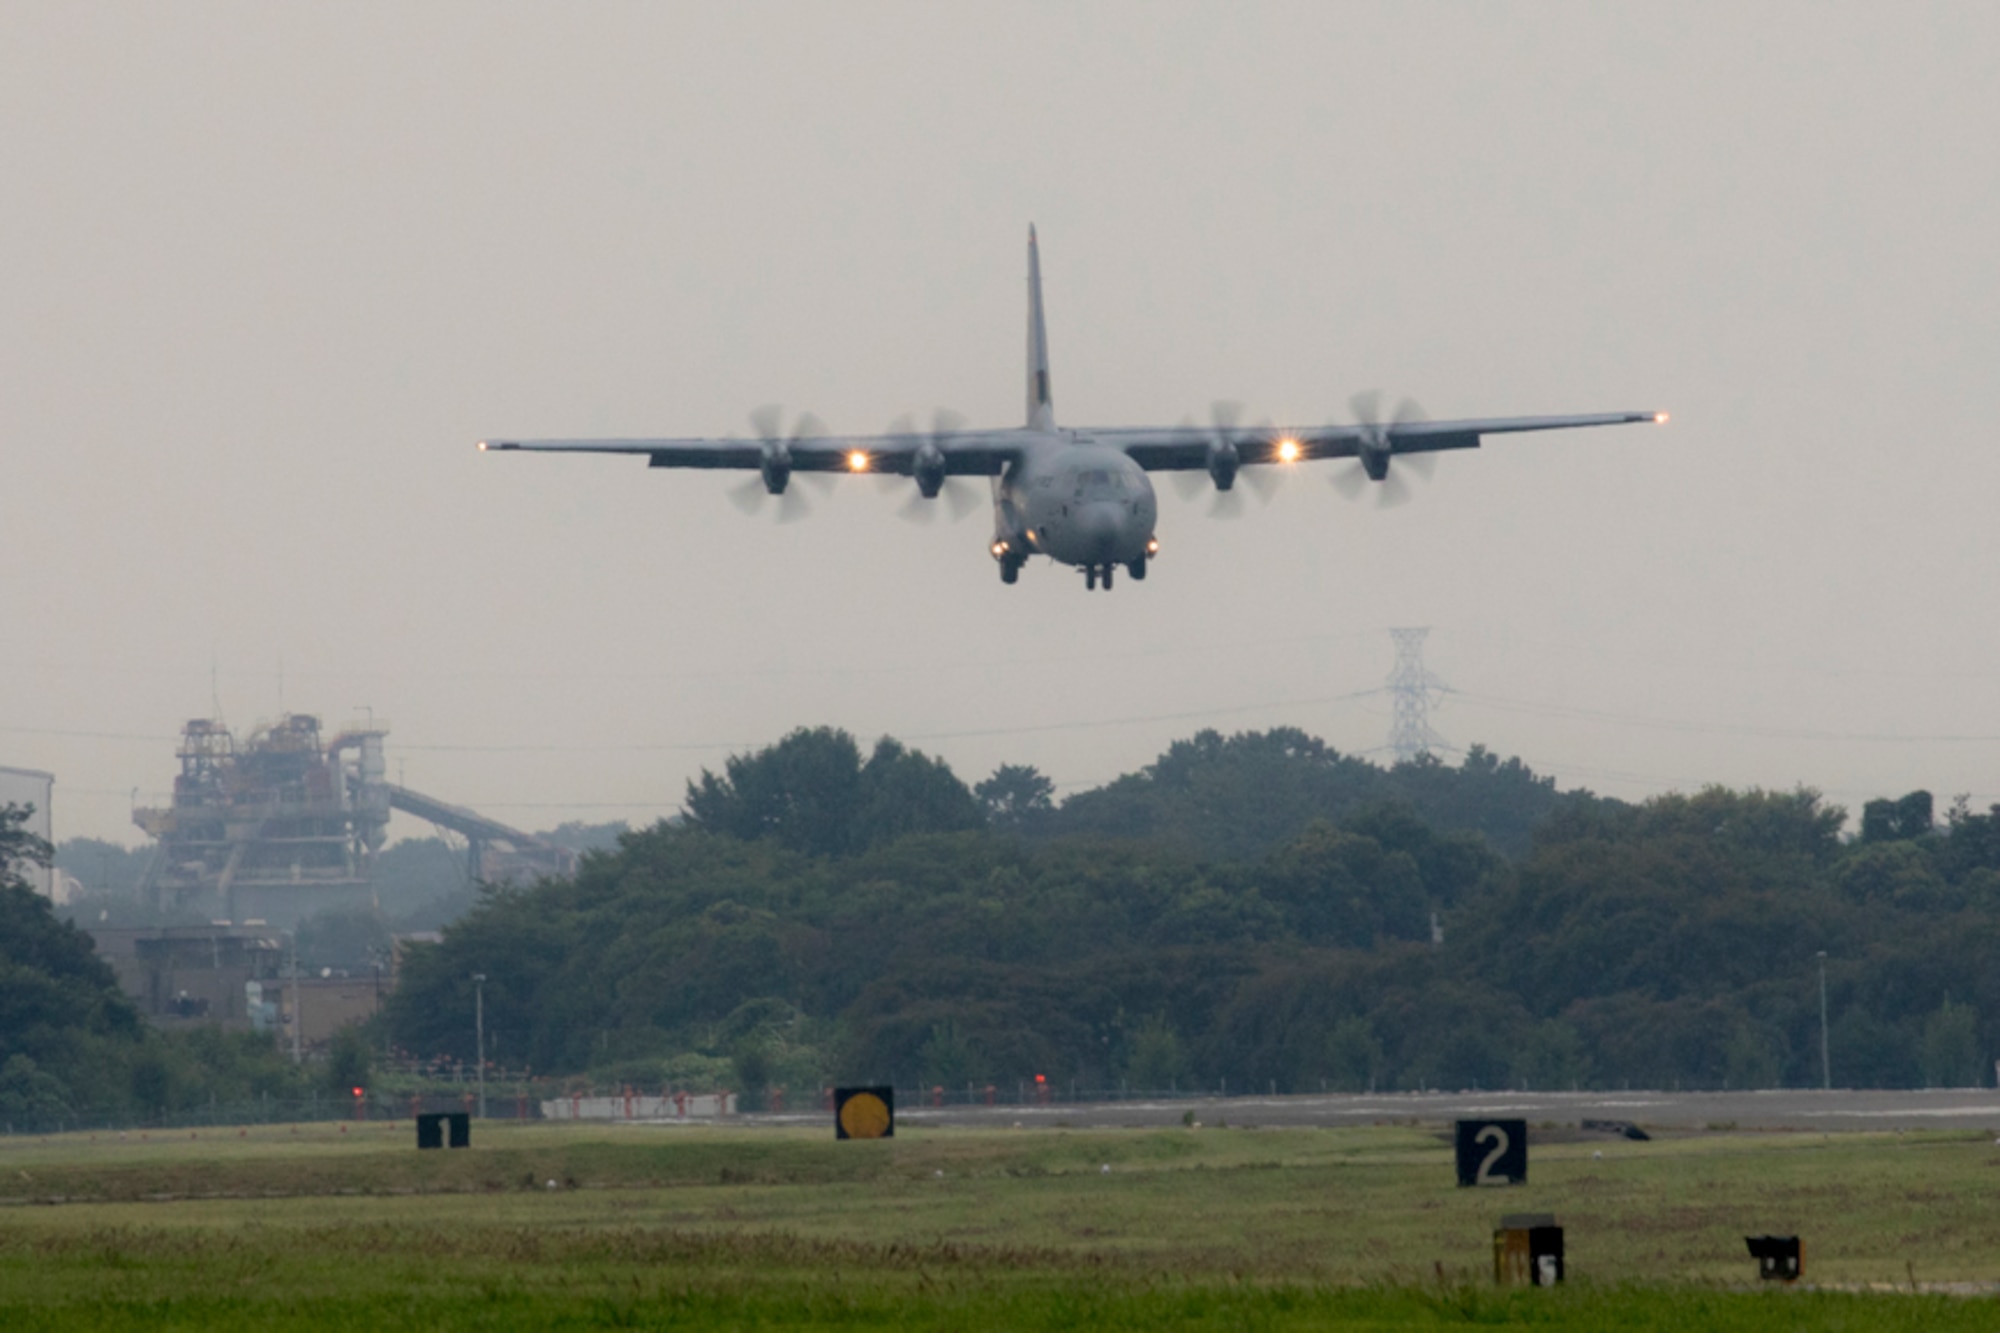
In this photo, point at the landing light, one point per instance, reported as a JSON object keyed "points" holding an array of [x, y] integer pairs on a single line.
{"points": [[857, 461], [1152, 546], [482, 446], [1288, 451], [1660, 417]]}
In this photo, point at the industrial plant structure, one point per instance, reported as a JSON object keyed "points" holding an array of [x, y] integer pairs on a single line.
{"points": [[283, 825]]}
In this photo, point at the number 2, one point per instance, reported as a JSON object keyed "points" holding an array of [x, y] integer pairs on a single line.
{"points": [[1500, 1146]]}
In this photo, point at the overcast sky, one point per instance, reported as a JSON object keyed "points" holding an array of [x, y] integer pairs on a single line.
{"points": [[268, 273]]}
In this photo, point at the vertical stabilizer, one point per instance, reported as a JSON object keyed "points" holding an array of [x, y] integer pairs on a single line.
{"points": [[1041, 408]]}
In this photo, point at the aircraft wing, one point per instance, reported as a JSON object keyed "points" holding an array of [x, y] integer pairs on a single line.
{"points": [[1185, 448], [965, 453]]}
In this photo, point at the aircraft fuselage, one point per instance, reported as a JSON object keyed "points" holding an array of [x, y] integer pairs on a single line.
{"points": [[1077, 502]]}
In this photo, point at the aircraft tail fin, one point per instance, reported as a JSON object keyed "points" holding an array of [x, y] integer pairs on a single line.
{"points": [[1041, 408]]}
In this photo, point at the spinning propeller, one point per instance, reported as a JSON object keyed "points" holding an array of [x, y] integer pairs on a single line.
{"points": [[774, 473], [1377, 447], [927, 467], [1225, 458]]}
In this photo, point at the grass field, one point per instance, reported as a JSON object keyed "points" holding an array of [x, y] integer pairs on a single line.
{"points": [[649, 1226]]}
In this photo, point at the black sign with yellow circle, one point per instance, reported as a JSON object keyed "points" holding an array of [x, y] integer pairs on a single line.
{"points": [[864, 1113]]}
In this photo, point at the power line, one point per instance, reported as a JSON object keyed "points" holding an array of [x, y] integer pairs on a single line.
{"points": [[727, 673], [86, 735], [1082, 724], [1712, 728]]}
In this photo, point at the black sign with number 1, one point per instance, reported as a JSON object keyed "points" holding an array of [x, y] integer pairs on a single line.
{"points": [[1492, 1152]]}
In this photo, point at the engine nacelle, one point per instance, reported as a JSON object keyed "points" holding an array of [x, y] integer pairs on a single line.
{"points": [[1375, 462], [1223, 461], [776, 467], [928, 469]]}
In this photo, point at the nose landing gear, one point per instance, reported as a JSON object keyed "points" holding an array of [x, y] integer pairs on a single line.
{"points": [[1093, 573]]}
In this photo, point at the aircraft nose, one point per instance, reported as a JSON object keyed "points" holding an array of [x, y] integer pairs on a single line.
{"points": [[1101, 524]]}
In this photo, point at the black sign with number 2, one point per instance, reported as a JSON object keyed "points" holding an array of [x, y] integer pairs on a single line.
{"points": [[1492, 1152]]}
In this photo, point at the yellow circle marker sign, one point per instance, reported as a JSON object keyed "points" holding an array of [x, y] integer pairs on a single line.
{"points": [[864, 1113]]}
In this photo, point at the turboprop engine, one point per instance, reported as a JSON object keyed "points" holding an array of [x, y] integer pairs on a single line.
{"points": [[1223, 461], [928, 469], [775, 467]]}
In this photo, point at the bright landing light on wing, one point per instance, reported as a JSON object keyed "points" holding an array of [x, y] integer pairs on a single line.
{"points": [[1288, 451], [1660, 417], [482, 446], [857, 461]]}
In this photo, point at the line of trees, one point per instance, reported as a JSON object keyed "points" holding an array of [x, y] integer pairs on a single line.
{"points": [[1248, 910]]}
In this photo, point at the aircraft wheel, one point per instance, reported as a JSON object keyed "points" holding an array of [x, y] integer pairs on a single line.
{"points": [[1107, 577], [1010, 571], [1090, 578], [1136, 568]]}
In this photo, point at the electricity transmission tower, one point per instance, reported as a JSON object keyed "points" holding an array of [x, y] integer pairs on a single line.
{"points": [[1411, 687]]}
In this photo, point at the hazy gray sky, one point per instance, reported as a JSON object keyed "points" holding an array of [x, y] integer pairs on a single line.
{"points": [[269, 272]]}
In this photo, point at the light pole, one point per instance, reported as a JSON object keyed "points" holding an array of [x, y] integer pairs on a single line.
{"points": [[298, 1011], [1825, 1060], [479, 1033]]}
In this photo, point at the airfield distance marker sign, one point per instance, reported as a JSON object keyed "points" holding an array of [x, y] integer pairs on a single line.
{"points": [[864, 1113], [1492, 1152]]}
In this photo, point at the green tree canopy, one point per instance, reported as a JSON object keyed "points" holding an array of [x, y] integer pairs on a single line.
{"points": [[63, 1018], [1017, 799], [812, 793], [1238, 797], [1254, 910]]}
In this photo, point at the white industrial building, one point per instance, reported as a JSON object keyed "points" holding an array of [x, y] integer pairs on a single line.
{"points": [[27, 786]]}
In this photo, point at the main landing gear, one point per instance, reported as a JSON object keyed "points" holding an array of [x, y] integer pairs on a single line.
{"points": [[1099, 576], [1010, 568]]}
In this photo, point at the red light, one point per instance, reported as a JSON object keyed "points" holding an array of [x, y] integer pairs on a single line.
{"points": [[359, 1093], [1041, 1078]]}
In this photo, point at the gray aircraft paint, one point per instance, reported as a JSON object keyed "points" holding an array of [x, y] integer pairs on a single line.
{"points": [[1079, 503], [1041, 407], [1079, 497]]}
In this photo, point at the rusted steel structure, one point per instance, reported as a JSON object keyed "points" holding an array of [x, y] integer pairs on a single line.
{"points": [[275, 828], [284, 825]]}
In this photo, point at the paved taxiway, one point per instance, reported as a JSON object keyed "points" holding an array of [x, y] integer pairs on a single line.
{"points": [[1790, 1108]]}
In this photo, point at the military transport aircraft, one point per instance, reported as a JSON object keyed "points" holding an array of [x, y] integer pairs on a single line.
{"points": [[1080, 497]]}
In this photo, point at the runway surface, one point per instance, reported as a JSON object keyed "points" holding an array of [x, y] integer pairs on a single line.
{"points": [[1791, 1108]]}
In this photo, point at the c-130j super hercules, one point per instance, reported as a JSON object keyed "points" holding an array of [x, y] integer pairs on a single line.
{"points": [[1080, 497]]}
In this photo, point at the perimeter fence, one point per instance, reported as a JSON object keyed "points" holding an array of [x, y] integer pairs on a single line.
{"points": [[576, 1098]]}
